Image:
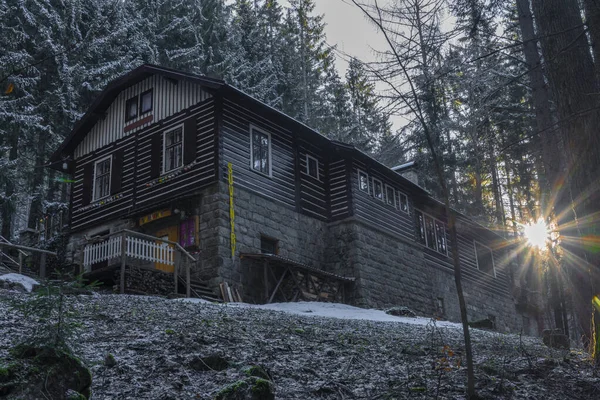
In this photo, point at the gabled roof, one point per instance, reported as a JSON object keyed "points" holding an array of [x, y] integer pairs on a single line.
{"points": [[112, 90]]}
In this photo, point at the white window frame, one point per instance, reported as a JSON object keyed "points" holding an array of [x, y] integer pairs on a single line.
{"points": [[308, 158], [382, 189], [434, 231], [475, 243], [164, 148], [368, 183], [109, 178], [400, 195], [386, 195], [269, 156]]}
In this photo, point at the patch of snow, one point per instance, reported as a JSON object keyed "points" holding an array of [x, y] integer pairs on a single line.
{"points": [[193, 300], [343, 311], [25, 281]]}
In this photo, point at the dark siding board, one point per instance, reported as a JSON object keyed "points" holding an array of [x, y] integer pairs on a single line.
{"points": [[236, 149], [313, 191], [338, 190]]}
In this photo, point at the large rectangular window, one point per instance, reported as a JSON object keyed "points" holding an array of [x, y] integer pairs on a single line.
{"points": [[431, 232], [485, 258], [146, 102], [102, 178], [260, 151], [390, 195], [173, 149]]}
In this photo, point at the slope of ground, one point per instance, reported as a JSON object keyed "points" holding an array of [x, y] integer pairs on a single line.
{"points": [[156, 345]]}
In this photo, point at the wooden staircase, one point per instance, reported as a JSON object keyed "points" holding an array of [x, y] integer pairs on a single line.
{"points": [[199, 290]]}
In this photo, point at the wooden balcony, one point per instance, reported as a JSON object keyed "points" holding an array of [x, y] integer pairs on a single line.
{"points": [[127, 248]]}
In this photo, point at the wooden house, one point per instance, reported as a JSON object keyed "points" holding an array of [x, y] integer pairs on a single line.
{"points": [[181, 178]]}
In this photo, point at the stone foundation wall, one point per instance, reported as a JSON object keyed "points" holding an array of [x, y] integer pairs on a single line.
{"points": [[393, 272], [299, 237]]}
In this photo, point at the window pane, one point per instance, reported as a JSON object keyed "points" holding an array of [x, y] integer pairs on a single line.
{"points": [[484, 258], [363, 182], [430, 232], [131, 108], [403, 203], [420, 227], [390, 197], [146, 102], [312, 166], [377, 190], [440, 231]]}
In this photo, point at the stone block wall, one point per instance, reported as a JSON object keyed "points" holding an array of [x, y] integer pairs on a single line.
{"points": [[299, 237], [391, 271]]}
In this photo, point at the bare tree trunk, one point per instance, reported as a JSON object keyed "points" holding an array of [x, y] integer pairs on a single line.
{"points": [[8, 206]]}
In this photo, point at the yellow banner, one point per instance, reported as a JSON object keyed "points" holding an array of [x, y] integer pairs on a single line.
{"points": [[154, 216]]}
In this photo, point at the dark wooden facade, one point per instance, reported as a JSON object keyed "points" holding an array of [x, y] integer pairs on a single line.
{"points": [[216, 132]]}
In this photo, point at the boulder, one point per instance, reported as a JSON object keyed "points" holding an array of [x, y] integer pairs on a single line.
{"points": [[401, 311], [18, 282]]}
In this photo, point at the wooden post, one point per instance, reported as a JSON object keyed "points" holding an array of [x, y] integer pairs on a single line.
{"points": [[43, 265], [187, 278], [123, 260], [20, 262], [175, 271], [266, 279]]}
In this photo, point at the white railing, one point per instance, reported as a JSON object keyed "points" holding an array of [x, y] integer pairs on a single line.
{"points": [[138, 248]]}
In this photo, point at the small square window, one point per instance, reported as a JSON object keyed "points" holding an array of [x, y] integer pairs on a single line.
{"points": [[403, 202], [312, 166], [377, 189], [102, 178], [363, 181], [390, 195], [268, 245], [131, 109], [173, 149], [260, 151], [146, 102]]}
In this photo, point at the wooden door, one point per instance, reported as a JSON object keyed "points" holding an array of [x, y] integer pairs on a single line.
{"points": [[170, 233]]}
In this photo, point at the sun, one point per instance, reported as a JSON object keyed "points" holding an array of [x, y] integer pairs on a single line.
{"points": [[537, 233]]}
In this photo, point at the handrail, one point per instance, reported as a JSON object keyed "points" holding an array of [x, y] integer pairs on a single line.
{"points": [[150, 237], [2, 238], [18, 247]]}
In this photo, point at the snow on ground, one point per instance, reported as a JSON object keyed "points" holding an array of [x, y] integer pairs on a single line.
{"points": [[343, 311], [25, 281], [311, 350]]}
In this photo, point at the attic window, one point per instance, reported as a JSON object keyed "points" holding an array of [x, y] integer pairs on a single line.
{"points": [[146, 102], [363, 181], [390, 195], [377, 189], [131, 109], [485, 258], [312, 166]]}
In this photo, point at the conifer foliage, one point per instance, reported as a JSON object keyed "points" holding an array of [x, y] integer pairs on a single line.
{"points": [[56, 55]]}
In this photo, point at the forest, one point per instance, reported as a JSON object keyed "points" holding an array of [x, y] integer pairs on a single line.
{"points": [[499, 106]]}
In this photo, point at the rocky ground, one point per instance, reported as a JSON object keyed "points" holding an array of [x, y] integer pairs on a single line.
{"points": [[152, 348]]}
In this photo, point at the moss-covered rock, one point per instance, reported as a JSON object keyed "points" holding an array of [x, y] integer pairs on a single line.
{"points": [[251, 388], [46, 372]]}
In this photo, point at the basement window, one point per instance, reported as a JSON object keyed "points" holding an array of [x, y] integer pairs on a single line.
{"points": [[269, 245], [363, 181], [377, 189], [485, 258], [431, 232]]}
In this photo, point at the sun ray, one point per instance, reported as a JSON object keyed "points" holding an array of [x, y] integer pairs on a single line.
{"points": [[537, 233]]}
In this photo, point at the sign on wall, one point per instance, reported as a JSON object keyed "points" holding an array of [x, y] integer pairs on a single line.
{"points": [[154, 216]]}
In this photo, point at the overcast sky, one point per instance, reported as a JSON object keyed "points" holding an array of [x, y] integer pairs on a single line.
{"points": [[348, 30]]}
